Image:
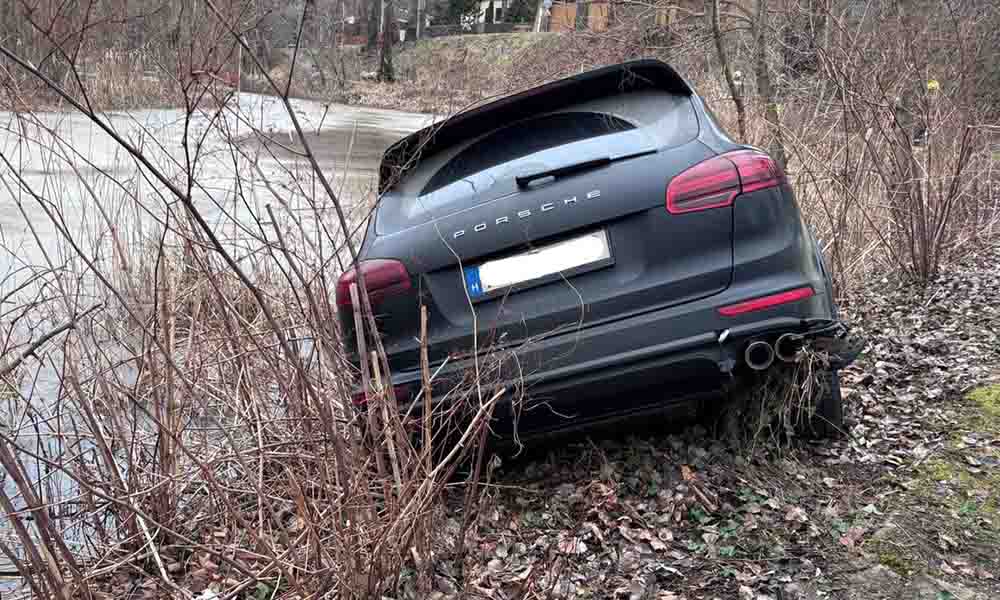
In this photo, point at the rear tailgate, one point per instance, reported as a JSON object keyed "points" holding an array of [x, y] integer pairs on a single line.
{"points": [[468, 211]]}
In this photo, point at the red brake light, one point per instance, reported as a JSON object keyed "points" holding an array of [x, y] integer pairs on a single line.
{"points": [[402, 394], [715, 182], [383, 277], [711, 184], [766, 302], [757, 170]]}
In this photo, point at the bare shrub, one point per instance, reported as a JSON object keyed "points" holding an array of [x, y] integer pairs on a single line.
{"points": [[208, 463], [199, 428], [120, 79], [776, 407], [905, 127], [203, 432]]}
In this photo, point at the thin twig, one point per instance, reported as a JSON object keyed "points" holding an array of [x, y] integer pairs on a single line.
{"points": [[34, 346]]}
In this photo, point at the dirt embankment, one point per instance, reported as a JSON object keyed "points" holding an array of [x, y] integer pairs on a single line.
{"points": [[444, 75], [906, 505]]}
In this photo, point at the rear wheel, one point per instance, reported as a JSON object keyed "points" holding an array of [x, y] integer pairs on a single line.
{"points": [[759, 405], [828, 420]]}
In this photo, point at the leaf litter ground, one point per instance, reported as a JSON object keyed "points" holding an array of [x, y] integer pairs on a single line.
{"points": [[905, 505]]}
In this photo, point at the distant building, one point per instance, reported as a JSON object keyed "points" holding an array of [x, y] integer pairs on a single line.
{"points": [[563, 16], [492, 11], [491, 17]]}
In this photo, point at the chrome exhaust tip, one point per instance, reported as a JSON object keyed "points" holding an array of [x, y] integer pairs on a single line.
{"points": [[787, 347], [759, 355]]}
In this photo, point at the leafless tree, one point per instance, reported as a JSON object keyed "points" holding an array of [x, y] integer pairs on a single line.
{"points": [[206, 432], [735, 84]]}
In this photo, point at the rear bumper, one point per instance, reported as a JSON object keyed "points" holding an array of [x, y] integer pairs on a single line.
{"points": [[656, 358]]}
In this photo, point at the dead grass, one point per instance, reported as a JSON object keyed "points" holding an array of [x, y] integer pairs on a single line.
{"points": [[777, 407], [123, 80], [111, 80]]}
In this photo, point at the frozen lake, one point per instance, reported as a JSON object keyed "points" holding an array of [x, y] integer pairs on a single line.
{"points": [[62, 176], [79, 171]]}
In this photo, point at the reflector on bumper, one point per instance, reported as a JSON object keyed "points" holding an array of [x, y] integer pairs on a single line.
{"points": [[766, 302]]}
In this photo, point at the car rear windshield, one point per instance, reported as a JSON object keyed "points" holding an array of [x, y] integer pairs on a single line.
{"points": [[523, 139], [468, 173]]}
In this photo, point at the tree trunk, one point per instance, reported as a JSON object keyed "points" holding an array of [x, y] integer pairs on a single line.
{"points": [[582, 12], [720, 46], [540, 16], [414, 17], [775, 143], [420, 19], [905, 197], [262, 43], [374, 24], [386, 31]]}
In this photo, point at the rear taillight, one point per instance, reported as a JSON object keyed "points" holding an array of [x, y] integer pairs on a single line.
{"points": [[710, 184], [715, 182], [757, 170], [383, 277], [402, 394]]}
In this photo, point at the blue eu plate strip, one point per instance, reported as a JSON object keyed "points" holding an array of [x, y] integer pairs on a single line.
{"points": [[472, 282]]}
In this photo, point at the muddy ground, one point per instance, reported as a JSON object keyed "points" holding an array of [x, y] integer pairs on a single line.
{"points": [[905, 505]]}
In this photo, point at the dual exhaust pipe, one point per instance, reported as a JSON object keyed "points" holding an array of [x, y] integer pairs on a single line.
{"points": [[760, 355]]}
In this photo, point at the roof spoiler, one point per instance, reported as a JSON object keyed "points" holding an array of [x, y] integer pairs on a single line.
{"points": [[607, 81]]}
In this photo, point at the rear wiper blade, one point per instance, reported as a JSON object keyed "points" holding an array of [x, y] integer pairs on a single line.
{"points": [[586, 165]]}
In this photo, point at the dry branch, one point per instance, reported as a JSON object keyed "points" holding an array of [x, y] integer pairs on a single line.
{"points": [[9, 367]]}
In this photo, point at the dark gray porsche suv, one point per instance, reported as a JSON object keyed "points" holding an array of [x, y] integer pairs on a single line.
{"points": [[605, 234]]}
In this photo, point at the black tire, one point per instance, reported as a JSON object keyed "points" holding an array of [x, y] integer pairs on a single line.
{"points": [[828, 421]]}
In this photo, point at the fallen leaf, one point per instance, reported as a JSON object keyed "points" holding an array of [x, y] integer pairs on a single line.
{"points": [[572, 545], [947, 542], [628, 533], [201, 574], [687, 473], [637, 589], [595, 530], [797, 514], [853, 536]]}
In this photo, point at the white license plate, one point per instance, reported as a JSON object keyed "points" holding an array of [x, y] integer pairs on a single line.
{"points": [[540, 265]]}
